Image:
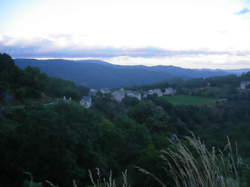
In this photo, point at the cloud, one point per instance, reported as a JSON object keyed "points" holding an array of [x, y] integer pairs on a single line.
{"points": [[164, 24], [226, 61], [63, 46], [243, 11]]}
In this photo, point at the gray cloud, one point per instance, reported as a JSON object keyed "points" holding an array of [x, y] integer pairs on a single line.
{"points": [[47, 48]]}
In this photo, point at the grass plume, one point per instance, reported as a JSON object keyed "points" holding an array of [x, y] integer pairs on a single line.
{"points": [[191, 164]]}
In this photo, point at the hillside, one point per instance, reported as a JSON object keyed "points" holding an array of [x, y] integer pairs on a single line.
{"points": [[68, 140], [100, 74], [19, 86]]}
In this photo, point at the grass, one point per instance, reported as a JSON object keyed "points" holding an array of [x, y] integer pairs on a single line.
{"points": [[188, 100], [191, 164], [108, 182], [97, 180]]}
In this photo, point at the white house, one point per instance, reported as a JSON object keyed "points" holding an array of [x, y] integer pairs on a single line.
{"points": [[150, 92], [135, 94], [93, 92], [169, 91], [245, 85], [66, 100], [118, 95], [86, 101], [105, 91], [144, 95], [157, 92]]}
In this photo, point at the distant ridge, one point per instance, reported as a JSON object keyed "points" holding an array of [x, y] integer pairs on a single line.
{"points": [[101, 74]]}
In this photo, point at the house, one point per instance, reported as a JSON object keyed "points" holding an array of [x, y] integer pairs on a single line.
{"points": [[169, 91], [150, 92], [66, 100], [119, 95], [105, 91], [86, 101], [135, 94], [92, 92], [144, 95], [245, 85], [157, 92]]}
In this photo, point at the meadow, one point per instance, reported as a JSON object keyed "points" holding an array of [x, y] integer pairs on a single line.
{"points": [[188, 100]]}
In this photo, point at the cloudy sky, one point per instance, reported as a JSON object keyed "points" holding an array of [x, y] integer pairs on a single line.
{"points": [[186, 33]]}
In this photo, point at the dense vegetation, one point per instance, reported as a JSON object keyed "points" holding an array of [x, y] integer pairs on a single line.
{"points": [[18, 85], [60, 142]]}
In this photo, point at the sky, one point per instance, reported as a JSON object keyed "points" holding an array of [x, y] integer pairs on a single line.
{"points": [[188, 33]]}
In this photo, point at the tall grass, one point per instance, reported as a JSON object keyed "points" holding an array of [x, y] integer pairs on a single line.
{"points": [[97, 180], [108, 182], [191, 164]]}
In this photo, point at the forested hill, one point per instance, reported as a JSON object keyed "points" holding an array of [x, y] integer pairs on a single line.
{"points": [[18, 86], [100, 74]]}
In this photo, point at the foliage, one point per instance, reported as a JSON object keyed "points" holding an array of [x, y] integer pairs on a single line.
{"points": [[61, 142], [30, 83], [190, 163]]}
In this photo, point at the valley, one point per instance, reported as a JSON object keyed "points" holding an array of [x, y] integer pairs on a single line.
{"points": [[112, 129]]}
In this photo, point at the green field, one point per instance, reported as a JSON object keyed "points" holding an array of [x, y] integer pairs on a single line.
{"points": [[188, 100]]}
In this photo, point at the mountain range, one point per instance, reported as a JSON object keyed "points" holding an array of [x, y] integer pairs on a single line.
{"points": [[101, 74]]}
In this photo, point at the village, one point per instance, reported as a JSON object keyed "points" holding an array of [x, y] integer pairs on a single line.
{"points": [[120, 94]]}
